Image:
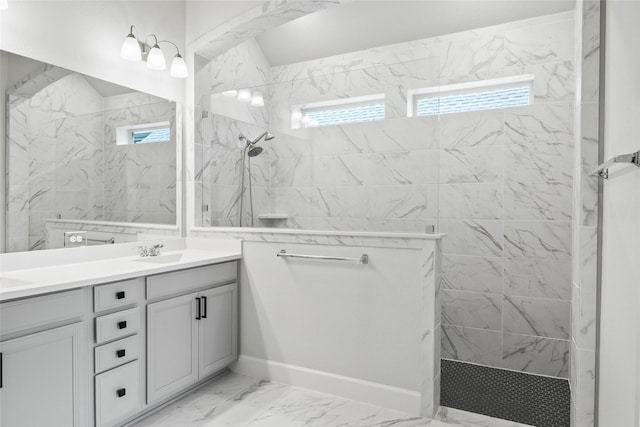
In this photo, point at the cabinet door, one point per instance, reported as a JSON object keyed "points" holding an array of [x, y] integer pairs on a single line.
{"points": [[40, 379], [172, 346], [218, 328]]}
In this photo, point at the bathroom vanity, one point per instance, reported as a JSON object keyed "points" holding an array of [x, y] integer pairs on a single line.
{"points": [[86, 343]]}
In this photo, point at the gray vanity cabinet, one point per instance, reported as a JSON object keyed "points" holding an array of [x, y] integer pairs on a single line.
{"points": [[42, 365], [192, 336]]}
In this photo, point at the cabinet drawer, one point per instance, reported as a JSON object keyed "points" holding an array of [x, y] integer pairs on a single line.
{"points": [[118, 393], [38, 312], [117, 294], [116, 325], [116, 353], [193, 278]]}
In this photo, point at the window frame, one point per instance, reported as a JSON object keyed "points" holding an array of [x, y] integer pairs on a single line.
{"points": [[415, 95], [298, 111], [124, 134]]}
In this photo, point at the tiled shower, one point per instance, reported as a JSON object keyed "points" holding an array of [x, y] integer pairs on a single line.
{"points": [[499, 182]]}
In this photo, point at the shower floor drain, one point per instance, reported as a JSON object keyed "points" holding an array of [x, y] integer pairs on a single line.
{"points": [[514, 396]]}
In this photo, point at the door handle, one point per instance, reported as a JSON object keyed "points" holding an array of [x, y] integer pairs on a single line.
{"points": [[1, 370], [204, 306], [198, 317]]}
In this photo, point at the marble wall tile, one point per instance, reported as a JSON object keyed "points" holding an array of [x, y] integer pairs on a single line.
{"points": [[472, 345], [476, 274], [402, 201], [471, 201], [292, 172], [472, 129], [472, 237], [538, 317], [539, 123], [349, 202], [537, 278], [476, 52], [588, 191], [539, 44], [536, 355], [538, 201], [472, 165], [293, 201], [585, 390], [471, 309], [590, 50], [545, 161], [538, 239]]}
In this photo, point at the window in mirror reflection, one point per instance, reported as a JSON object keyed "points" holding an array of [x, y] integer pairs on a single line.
{"points": [[143, 134]]}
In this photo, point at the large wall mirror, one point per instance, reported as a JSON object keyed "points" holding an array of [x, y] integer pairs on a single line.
{"points": [[82, 151]]}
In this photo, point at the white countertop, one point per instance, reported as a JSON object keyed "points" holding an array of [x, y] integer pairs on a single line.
{"points": [[51, 276]]}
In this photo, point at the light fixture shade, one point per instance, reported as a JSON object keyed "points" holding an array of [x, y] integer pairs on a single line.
{"points": [[231, 92], [130, 48], [155, 59], [257, 100], [244, 95], [179, 67]]}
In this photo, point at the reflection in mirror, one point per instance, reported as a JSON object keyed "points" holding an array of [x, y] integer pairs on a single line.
{"points": [[371, 126], [81, 149]]}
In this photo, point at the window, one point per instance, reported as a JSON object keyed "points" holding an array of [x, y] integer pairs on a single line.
{"points": [[143, 134], [338, 112], [481, 95]]}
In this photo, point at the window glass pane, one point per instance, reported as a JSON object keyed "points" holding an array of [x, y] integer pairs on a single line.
{"points": [[155, 135], [347, 114], [470, 101]]}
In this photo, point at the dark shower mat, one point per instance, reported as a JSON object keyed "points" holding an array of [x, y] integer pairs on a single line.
{"points": [[514, 396]]}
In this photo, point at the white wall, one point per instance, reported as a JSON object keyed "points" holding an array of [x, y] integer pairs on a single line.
{"points": [[85, 36], [618, 393], [204, 15], [3, 87]]}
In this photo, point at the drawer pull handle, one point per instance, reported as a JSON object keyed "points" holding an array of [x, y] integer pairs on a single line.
{"points": [[204, 307], [122, 325], [120, 353], [120, 295], [198, 317], [121, 392]]}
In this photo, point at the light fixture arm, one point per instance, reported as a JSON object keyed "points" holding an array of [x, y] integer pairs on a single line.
{"points": [[174, 45]]}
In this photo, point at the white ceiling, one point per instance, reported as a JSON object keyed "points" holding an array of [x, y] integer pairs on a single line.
{"points": [[363, 24]]}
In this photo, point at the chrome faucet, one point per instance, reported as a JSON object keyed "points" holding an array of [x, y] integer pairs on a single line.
{"points": [[145, 251]]}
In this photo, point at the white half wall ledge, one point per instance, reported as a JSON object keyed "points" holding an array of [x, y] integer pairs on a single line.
{"points": [[395, 398]]}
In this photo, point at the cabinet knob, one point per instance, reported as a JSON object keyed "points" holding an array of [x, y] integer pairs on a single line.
{"points": [[120, 295], [122, 325], [120, 353], [121, 392]]}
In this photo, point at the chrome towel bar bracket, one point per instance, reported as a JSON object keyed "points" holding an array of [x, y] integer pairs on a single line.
{"points": [[603, 170], [364, 259]]}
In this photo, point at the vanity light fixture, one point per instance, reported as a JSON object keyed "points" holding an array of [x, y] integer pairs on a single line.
{"points": [[244, 95], [134, 50], [257, 100]]}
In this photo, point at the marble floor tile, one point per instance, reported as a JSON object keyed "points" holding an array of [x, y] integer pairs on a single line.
{"points": [[234, 400]]}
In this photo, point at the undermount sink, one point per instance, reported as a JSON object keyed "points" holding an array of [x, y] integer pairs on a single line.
{"points": [[161, 259]]}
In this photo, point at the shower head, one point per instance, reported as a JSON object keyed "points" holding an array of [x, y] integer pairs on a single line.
{"points": [[266, 135], [255, 151]]}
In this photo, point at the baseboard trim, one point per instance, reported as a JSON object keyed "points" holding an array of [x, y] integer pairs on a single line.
{"points": [[396, 398]]}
